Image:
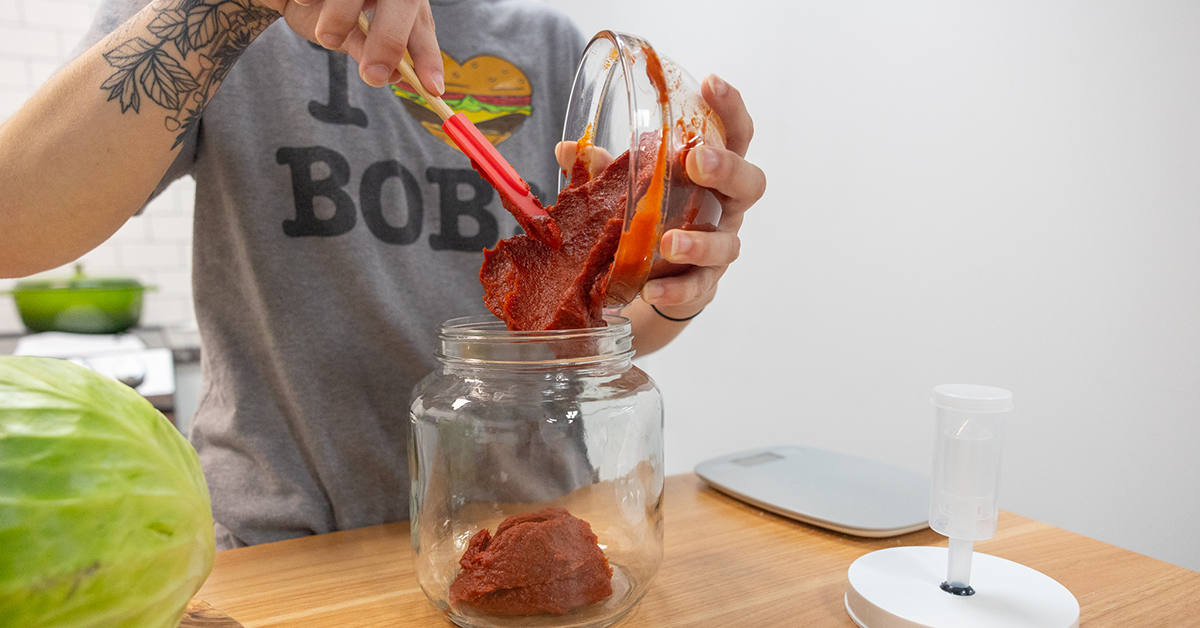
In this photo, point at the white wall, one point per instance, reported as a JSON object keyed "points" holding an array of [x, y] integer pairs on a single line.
{"points": [[35, 38], [1004, 193]]}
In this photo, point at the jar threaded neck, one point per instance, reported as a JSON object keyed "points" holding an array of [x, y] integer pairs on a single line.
{"points": [[484, 342]]}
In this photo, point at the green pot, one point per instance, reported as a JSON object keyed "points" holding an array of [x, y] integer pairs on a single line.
{"points": [[82, 305]]}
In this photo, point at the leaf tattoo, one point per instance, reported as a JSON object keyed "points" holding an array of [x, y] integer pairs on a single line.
{"points": [[129, 53], [203, 24], [164, 80], [169, 24], [122, 86], [157, 67]]}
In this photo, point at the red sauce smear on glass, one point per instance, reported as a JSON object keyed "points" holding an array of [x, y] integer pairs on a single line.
{"points": [[637, 246]]}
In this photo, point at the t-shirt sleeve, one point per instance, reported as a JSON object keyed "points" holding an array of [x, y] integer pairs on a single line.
{"points": [[566, 43], [579, 41], [109, 16], [569, 45]]}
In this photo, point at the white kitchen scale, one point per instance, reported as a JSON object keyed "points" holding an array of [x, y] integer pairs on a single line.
{"points": [[840, 492]]}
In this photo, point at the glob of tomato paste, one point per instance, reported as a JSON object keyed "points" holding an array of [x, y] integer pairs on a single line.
{"points": [[535, 287], [542, 562]]}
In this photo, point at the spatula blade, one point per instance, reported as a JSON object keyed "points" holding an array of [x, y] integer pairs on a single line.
{"points": [[515, 193]]}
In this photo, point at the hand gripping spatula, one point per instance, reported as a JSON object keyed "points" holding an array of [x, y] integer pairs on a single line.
{"points": [[515, 194]]}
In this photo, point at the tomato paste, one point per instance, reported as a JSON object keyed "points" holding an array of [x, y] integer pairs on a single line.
{"points": [[533, 287], [542, 562]]}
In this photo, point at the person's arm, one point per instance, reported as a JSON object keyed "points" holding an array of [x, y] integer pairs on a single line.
{"points": [[738, 184], [89, 147]]}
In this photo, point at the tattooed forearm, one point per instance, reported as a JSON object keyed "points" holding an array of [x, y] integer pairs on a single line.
{"points": [[189, 50]]}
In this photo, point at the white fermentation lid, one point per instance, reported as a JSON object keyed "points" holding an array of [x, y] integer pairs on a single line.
{"points": [[898, 587]]}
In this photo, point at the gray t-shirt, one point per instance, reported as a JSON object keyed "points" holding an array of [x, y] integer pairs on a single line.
{"points": [[333, 232]]}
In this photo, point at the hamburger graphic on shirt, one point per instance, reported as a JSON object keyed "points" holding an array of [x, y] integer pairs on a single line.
{"points": [[493, 93]]}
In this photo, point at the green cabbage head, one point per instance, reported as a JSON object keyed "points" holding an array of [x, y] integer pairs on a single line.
{"points": [[105, 518]]}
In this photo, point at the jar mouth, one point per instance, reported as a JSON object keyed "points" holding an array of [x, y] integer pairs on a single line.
{"points": [[485, 340]]}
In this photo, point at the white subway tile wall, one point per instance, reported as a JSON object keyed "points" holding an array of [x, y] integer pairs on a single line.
{"points": [[155, 247]]}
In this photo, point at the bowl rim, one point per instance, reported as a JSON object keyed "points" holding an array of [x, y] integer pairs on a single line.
{"points": [[94, 284]]}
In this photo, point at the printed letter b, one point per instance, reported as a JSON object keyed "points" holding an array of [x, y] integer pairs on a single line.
{"points": [[305, 189]]}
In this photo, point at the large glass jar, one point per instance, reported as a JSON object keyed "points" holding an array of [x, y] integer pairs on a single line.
{"points": [[523, 445]]}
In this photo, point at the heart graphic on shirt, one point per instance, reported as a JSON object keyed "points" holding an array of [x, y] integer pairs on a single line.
{"points": [[493, 93]]}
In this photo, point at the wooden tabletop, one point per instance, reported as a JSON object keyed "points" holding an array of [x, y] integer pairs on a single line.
{"points": [[726, 564]]}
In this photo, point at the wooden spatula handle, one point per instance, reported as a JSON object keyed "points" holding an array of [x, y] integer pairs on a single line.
{"points": [[410, 76]]}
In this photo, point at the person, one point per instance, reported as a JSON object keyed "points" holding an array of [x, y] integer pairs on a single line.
{"points": [[334, 229]]}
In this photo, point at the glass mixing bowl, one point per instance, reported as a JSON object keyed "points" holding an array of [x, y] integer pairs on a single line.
{"points": [[627, 97]]}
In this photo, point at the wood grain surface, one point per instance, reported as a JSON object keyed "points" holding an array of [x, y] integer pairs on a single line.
{"points": [[726, 564], [201, 614]]}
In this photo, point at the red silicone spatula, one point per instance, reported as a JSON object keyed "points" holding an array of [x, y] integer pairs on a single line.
{"points": [[515, 194]]}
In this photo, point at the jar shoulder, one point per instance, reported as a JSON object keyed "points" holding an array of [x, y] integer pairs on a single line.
{"points": [[449, 387]]}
